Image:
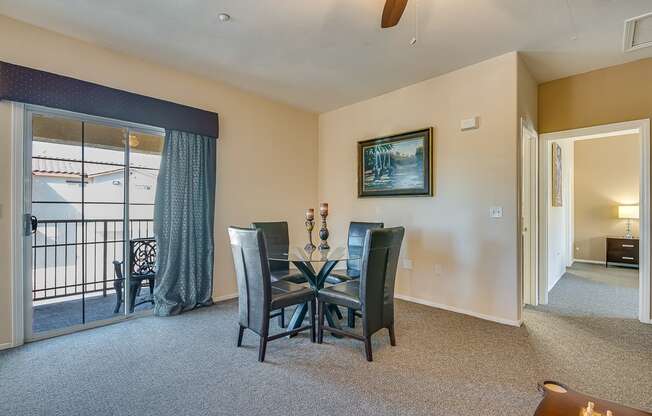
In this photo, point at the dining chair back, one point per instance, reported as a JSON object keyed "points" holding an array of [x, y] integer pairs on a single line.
{"points": [[253, 277], [357, 232], [378, 277], [277, 237]]}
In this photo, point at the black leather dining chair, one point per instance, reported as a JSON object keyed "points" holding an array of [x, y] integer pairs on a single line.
{"points": [[357, 231], [373, 293], [257, 294], [277, 237]]}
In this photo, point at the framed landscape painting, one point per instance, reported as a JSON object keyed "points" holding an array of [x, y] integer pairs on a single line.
{"points": [[399, 165], [557, 176]]}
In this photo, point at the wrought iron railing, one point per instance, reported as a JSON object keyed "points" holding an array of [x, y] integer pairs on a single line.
{"points": [[74, 257]]}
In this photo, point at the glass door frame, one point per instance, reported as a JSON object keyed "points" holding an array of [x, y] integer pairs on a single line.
{"points": [[129, 127]]}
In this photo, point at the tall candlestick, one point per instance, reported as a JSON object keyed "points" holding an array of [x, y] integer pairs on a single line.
{"points": [[323, 232], [310, 224]]}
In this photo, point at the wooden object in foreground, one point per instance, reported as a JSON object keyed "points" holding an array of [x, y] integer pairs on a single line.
{"points": [[559, 400]]}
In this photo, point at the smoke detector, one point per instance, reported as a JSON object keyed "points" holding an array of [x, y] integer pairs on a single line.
{"points": [[638, 33]]}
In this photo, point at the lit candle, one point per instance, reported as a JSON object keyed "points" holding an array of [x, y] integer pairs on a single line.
{"points": [[323, 208], [310, 214]]}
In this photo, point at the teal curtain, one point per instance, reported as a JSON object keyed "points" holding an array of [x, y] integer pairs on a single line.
{"points": [[183, 223]]}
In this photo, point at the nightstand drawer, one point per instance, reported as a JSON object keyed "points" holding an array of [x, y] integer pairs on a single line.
{"points": [[622, 250], [626, 244]]}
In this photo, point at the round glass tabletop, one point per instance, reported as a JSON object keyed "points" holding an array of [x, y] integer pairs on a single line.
{"points": [[293, 254]]}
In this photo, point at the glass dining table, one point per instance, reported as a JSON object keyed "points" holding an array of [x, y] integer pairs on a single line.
{"points": [[307, 261]]}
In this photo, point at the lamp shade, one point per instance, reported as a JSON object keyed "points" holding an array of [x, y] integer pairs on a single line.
{"points": [[628, 212]]}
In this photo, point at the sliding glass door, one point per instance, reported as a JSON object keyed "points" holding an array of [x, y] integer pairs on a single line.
{"points": [[90, 194]]}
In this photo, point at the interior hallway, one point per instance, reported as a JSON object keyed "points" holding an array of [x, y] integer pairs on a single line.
{"points": [[592, 290]]}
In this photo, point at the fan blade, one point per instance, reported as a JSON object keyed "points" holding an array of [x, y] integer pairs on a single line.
{"points": [[392, 12]]}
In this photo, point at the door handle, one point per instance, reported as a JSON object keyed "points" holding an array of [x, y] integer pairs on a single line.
{"points": [[33, 223]]}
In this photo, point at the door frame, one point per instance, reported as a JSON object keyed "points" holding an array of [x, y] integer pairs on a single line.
{"points": [[20, 192], [641, 127], [18, 260], [531, 164]]}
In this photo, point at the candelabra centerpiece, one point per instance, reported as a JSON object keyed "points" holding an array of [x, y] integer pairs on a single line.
{"points": [[310, 225], [323, 232]]}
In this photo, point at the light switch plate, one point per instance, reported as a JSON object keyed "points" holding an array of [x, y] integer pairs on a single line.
{"points": [[496, 212], [407, 264]]}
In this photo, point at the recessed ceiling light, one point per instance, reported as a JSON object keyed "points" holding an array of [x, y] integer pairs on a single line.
{"points": [[223, 17]]}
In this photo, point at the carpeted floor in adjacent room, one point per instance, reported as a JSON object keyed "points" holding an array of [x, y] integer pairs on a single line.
{"points": [[445, 363]]}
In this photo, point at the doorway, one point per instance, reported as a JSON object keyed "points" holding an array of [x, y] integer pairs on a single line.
{"points": [[88, 192], [559, 247]]}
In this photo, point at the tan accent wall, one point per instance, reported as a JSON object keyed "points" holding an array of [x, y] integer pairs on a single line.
{"points": [[267, 151], [609, 95], [606, 174], [461, 258]]}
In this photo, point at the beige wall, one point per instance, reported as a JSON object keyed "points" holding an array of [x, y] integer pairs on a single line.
{"points": [[267, 151], [609, 95], [606, 174], [462, 259]]}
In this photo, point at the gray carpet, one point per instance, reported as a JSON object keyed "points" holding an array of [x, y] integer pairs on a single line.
{"points": [[595, 291], [445, 363]]}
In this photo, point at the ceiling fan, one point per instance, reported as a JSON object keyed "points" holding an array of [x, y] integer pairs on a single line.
{"points": [[392, 12]]}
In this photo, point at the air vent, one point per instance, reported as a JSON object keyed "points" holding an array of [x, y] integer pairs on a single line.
{"points": [[638, 33]]}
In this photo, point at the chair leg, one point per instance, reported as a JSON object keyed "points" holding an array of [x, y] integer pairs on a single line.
{"points": [[351, 317], [313, 331], [320, 327], [240, 334], [367, 348], [281, 318], [118, 294], [134, 291], [392, 335], [261, 349], [337, 312]]}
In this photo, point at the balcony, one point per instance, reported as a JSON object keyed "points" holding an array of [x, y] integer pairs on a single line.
{"points": [[73, 273]]}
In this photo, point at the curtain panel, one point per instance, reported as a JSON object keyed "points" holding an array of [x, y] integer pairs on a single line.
{"points": [[183, 223]]}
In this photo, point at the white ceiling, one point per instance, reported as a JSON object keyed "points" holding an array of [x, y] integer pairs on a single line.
{"points": [[324, 54]]}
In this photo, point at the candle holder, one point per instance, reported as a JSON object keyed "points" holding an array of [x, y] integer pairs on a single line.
{"points": [[310, 225], [323, 232]]}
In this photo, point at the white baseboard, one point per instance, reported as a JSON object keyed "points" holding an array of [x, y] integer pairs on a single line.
{"points": [[225, 297], [6, 345], [459, 310], [589, 261]]}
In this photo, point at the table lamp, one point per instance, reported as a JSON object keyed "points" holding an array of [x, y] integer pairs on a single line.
{"points": [[629, 213]]}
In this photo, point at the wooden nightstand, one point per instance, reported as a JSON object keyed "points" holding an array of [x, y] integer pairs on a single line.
{"points": [[622, 250]]}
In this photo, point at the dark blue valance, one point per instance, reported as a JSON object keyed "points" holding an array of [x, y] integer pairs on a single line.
{"points": [[31, 86]]}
